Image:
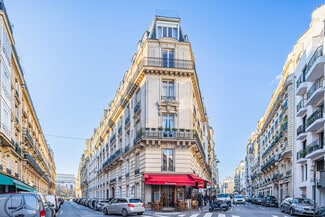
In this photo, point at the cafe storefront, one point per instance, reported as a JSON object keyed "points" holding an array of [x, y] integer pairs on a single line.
{"points": [[172, 191]]}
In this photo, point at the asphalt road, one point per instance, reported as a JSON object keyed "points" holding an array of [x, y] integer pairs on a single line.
{"points": [[71, 209]]}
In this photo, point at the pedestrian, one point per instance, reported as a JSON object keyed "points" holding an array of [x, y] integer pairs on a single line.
{"points": [[200, 201]]}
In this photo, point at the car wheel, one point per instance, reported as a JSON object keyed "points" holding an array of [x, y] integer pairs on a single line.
{"points": [[124, 212], [292, 212], [281, 209], [105, 211]]}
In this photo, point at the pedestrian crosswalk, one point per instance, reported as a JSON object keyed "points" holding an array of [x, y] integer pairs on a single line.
{"points": [[208, 214]]}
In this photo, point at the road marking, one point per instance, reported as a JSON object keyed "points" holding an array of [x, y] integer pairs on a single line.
{"points": [[221, 215], [209, 214], [194, 215]]}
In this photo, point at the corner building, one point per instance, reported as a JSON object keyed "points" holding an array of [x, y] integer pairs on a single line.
{"points": [[154, 142]]}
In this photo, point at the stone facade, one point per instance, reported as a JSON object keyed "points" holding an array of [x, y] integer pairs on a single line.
{"points": [[154, 141], [25, 157]]}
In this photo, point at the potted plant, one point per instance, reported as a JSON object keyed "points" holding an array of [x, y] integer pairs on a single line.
{"points": [[303, 153]]}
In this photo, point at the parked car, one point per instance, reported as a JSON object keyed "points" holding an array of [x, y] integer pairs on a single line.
{"points": [[238, 199], [248, 198], [320, 211], [298, 206], [225, 198], [257, 199], [101, 203], [53, 201], [124, 206], [24, 204], [270, 200]]}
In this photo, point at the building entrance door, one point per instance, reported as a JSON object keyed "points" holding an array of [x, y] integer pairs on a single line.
{"points": [[167, 194]]}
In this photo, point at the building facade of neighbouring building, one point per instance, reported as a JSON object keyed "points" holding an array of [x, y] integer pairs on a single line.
{"points": [[292, 154], [65, 185], [269, 153], [154, 141], [26, 160], [310, 152], [239, 178], [252, 164], [228, 185], [276, 140]]}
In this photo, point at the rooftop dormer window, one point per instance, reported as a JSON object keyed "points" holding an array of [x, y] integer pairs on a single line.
{"points": [[167, 30]]}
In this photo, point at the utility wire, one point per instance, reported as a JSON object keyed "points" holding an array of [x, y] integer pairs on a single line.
{"points": [[66, 137]]}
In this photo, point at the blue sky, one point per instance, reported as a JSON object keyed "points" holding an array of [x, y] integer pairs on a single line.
{"points": [[75, 53]]}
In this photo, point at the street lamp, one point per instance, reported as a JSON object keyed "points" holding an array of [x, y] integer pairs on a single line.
{"points": [[313, 168]]}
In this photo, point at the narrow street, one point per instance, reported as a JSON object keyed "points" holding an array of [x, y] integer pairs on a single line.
{"points": [[71, 209]]}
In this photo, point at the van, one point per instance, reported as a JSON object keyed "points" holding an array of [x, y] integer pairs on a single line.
{"points": [[53, 201], [24, 204]]}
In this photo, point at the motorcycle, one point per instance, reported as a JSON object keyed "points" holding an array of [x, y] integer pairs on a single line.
{"points": [[218, 205]]}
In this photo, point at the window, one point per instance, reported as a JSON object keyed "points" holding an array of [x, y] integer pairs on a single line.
{"points": [[304, 172], [168, 90], [6, 46], [168, 58], [168, 160], [5, 80], [137, 161], [165, 31], [168, 125], [5, 121], [127, 167]]}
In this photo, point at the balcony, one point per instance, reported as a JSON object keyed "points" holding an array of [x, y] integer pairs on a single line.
{"points": [[301, 156], [284, 105], [29, 138], [315, 121], [172, 63], [301, 133], [167, 168], [268, 163], [127, 121], [315, 66], [301, 85], [137, 108], [315, 92], [315, 149], [112, 139], [33, 163], [170, 134], [301, 108], [110, 161]]}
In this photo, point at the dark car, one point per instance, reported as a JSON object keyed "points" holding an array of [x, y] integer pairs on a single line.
{"points": [[257, 199], [298, 206], [270, 200], [320, 211], [24, 204]]}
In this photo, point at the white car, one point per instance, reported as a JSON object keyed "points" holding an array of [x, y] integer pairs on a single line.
{"points": [[124, 206], [238, 199]]}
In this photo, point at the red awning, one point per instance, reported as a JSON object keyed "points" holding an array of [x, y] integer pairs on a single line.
{"points": [[169, 179], [198, 180]]}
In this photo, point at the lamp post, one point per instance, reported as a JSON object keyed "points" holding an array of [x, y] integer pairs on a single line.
{"points": [[217, 176], [314, 188]]}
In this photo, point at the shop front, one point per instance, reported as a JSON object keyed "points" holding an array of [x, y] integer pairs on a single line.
{"points": [[172, 191]]}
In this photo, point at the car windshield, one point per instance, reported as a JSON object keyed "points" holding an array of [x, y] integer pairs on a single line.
{"points": [[305, 201], [223, 195], [135, 201], [238, 196]]}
